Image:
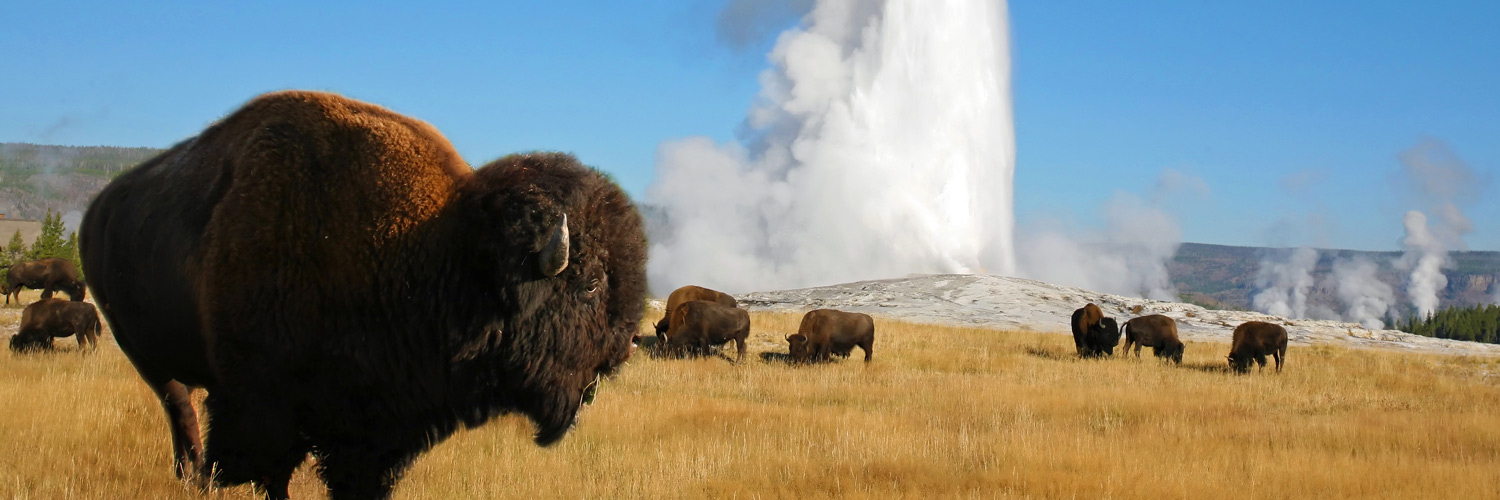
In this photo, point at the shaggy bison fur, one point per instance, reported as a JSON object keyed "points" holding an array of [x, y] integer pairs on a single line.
{"points": [[344, 284], [46, 319], [1094, 334], [48, 275], [825, 331], [1155, 331], [684, 295], [1254, 340], [701, 323]]}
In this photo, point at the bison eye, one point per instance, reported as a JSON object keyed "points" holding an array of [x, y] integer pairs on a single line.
{"points": [[593, 286]]}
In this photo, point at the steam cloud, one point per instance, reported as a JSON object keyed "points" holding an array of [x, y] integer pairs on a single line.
{"points": [[1284, 283], [1128, 256], [880, 145], [1366, 299], [1443, 182]]}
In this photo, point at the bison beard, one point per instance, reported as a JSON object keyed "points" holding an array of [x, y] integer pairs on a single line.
{"points": [[343, 284]]}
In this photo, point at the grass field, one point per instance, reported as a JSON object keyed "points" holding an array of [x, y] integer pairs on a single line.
{"points": [[940, 413]]}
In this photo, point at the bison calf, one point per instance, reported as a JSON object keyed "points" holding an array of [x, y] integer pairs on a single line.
{"points": [[682, 296], [825, 331], [46, 319], [1155, 331], [701, 323], [1254, 340], [1094, 334]]}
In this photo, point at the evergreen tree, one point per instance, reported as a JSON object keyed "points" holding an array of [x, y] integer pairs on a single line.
{"points": [[70, 252], [15, 251], [50, 242]]}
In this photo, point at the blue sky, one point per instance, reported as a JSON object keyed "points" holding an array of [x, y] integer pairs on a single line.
{"points": [[1293, 114]]}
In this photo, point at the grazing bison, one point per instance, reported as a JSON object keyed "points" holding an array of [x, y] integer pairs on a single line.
{"points": [[47, 275], [825, 331], [701, 323], [343, 284], [46, 319], [1155, 331], [1254, 340], [684, 295], [1094, 334]]}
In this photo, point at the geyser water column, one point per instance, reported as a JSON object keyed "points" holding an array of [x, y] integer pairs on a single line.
{"points": [[881, 144]]}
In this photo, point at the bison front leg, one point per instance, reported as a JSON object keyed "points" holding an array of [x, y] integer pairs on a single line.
{"points": [[252, 442], [354, 470]]}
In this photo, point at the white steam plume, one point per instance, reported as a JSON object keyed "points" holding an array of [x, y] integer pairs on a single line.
{"points": [[1441, 181], [1129, 256], [1425, 256], [881, 146], [1366, 299], [1284, 283]]}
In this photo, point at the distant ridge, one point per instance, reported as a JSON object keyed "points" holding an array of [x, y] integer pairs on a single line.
{"points": [[1223, 276], [35, 178]]}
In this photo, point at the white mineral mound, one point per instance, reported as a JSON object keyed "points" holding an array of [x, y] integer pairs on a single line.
{"points": [[1021, 304]]}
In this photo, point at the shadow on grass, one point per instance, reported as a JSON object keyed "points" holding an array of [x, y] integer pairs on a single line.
{"points": [[1207, 367], [1052, 353]]}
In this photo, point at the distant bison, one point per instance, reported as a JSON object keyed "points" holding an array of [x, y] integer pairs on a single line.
{"points": [[48, 275], [46, 319], [1094, 334], [1254, 340], [1155, 331], [684, 295], [825, 331], [701, 323], [345, 285]]}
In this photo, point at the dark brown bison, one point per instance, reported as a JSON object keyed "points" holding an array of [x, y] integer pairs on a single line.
{"points": [[825, 331], [701, 323], [684, 295], [46, 319], [1155, 331], [343, 284], [48, 275], [1254, 340], [1094, 334]]}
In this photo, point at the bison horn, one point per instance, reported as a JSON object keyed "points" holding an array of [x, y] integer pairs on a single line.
{"points": [[554, 255]]}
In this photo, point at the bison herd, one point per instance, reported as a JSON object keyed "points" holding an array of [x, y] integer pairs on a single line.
{"points": [[345, 286], [1096, 335]]}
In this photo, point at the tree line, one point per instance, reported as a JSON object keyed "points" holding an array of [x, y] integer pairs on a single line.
{"points": [[50, 243], [1479, 323]]}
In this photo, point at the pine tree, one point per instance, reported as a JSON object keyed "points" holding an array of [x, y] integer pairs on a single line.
{"points": [[15, 251], [50, 242], [70, 252]]}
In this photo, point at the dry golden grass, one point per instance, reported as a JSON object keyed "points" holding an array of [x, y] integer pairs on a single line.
{"points": [[941, 413]]}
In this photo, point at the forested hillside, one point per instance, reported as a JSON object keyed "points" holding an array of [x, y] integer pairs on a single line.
{"points": [[36, 178]]}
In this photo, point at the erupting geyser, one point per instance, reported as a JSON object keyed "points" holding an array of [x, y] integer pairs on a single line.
{"points": [[881, 145]]}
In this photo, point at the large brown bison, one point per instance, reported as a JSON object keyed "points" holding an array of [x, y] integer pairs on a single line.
{"points": [[46, 319], [1094, 334], [343, 284], [701, 323], [48, 275], [684, 295], [1155, 331], [825, 331], [1254, 340]]}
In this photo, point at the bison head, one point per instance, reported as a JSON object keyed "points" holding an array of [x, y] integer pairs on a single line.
{"points": [[25, 342], [797, 346], [565, 252], [75, 289], [1240, 364], [1173, 351]]}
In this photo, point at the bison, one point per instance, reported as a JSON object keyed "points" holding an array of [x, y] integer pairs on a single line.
{"points": [[825, 331], [1254, 340], [684, 295], [46, 319], [1094, 334], [343, 284], [47, 275], [701, 323], [1155, 331]]}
